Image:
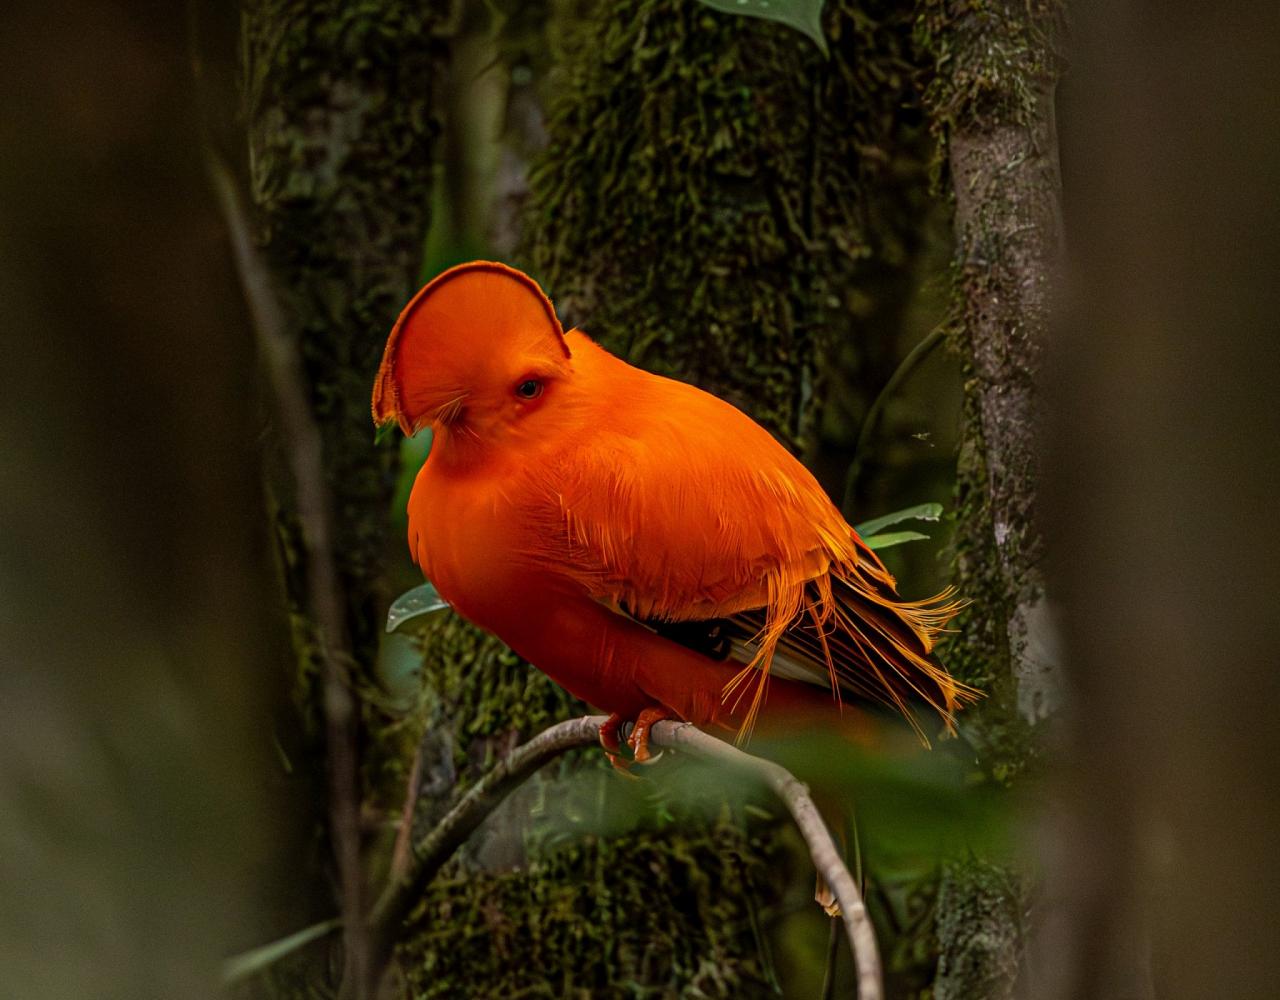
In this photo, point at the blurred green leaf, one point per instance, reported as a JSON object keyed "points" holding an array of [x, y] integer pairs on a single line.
{"points": [[399, 668], [910, 801], [920, 512], [422, 600], [803, 15], [255, 961], [892, 538], [914, 806]]}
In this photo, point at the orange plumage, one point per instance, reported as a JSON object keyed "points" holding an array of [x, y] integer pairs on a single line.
{"points": [[647, 545]]}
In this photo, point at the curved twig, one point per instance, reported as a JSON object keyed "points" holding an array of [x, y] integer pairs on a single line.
{"points": [[430, 854], [917, 354], [302, 441], [822, 849]]}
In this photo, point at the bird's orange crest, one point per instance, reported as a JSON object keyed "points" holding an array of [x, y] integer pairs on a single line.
{"points": [[451, 330]]}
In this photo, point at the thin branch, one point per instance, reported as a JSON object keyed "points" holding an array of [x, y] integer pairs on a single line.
{"points": [[302, 444], [404, 835], [822, 849], [452, 831], [917, 354], [430, 854]]}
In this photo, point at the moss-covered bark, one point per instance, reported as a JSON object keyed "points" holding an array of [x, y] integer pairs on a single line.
{"points": [[645, 915], [991, 103], [339, 104], [979, 929], [705, 210], [339, 108]]}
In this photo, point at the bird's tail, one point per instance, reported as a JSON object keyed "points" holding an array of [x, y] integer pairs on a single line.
{"points": [[848, 629], [894, 640]]}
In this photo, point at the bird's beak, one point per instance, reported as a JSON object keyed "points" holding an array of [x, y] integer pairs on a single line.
{"points": [[387, 419]]}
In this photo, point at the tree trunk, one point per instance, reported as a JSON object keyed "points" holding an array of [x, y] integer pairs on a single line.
{"points": [[341, 127], [1162, 502], [339, 101], [992, 102], [1007, 234], [139, 836]]}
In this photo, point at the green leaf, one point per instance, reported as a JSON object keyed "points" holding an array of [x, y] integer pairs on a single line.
{"points": [[415, 603], [914, 805], [910, 801], [920, 512], [891, 538], [803, 15], [255, 961], [399, 668]]}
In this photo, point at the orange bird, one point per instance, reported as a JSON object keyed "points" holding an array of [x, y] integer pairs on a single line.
{"points": [[648, 546]]}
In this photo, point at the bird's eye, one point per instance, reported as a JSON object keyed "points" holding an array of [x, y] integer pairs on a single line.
{"points": [[530, 388]]}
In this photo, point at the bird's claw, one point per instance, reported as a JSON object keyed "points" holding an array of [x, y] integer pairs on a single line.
{"points": [[609, 733], [610, 739], [637, 739], [622, 766]]}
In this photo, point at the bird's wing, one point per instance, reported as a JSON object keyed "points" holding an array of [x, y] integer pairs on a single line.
{"points": [[679, 524], [683, 509]]}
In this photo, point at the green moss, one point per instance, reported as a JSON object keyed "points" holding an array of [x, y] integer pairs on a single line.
{"points": [[700, 209], [648, 915], [985, 62], [477, 687], [339, 100], [979, 931]]}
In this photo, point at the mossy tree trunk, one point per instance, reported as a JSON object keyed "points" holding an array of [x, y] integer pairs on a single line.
{"points": [[992, 103], [341, 131], [341, 122], [713, 202]]}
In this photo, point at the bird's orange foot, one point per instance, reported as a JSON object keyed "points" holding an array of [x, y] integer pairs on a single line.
{"points": [[639, 738], [612, 743]]}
